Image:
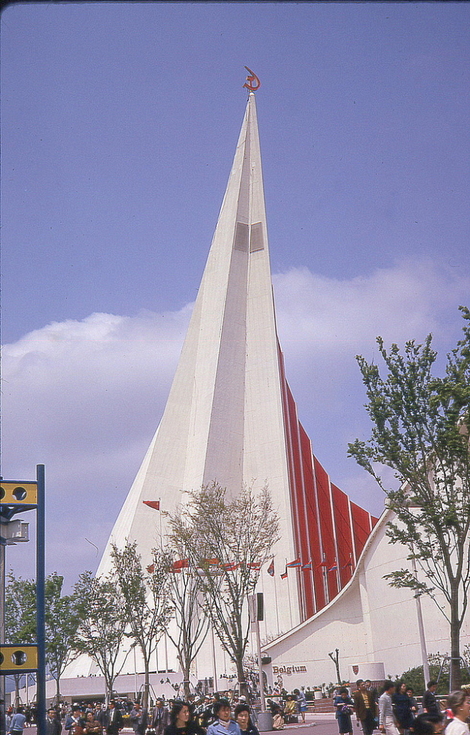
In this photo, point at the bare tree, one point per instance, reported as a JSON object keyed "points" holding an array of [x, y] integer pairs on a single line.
{"points": [[227, 541], [145, 600], [191, 623]]}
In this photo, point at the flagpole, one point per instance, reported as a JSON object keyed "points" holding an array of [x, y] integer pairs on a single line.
{"points": [[288, 594], [277, 608]]}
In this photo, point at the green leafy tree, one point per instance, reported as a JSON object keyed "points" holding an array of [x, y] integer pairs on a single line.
{"points": [[102, 622], [144, 592], [438, 670], [62, 621], [20, 616], [420, 430], [227, 541]]}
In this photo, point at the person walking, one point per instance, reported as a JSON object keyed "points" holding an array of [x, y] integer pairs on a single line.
{"points": [[75, 722], [224, 725], [53, 723], [17, 722], [365, 707], [115, 722], [459, 703], [242, 716], [430, 703], [402, 708], [387, 723], [181, 721], [161, 717], [344, 707]]}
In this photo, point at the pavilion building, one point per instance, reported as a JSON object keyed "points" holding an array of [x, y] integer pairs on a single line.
{"points": [[231, 418]]}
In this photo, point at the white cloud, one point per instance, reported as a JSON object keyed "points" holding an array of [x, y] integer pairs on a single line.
{"points": [[84, 397]]}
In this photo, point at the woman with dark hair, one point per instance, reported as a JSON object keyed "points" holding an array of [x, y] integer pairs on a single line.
{"points": [[181, 721], [426, 724], [459, 703], [402, 708], [243, 717], [413, 703], [344, 706]]}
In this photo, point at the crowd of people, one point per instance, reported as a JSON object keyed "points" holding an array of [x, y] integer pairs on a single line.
{"points": [[210, 716], [396, 712]]}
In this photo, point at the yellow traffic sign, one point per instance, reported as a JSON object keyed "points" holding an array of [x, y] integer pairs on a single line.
{"points": [[18, 493], [15, 659]]}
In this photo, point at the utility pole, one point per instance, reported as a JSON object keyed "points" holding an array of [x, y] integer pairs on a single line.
{"points": [[17, 497]]}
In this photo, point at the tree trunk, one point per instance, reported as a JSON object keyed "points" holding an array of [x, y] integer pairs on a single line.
{"points": [[145, 696], [241, 678], [454, 669], [17, 691], [109, 683], [186, 669], [57, 690]]}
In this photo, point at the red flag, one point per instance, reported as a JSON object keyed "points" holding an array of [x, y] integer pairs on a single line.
{"points": [[254, 565], [179, 565], [295, 563], [230, 567], [151, 568], [284, 576], [155, 504], [270, 569]]}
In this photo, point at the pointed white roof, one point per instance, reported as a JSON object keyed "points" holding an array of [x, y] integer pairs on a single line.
{"points": [[223, 420]]}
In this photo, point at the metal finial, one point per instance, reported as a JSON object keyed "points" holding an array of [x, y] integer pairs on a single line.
{"points": [[252, 82]]}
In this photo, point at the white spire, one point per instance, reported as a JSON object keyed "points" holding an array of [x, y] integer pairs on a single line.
{"points": [[223, 420]]}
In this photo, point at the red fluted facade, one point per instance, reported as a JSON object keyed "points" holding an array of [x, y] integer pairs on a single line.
{"points": [[330, 530]]}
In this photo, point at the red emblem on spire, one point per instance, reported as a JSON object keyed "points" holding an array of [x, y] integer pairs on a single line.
{"points": [[252, 82]]}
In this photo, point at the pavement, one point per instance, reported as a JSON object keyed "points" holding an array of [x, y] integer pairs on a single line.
{"points": [[322, 723]]}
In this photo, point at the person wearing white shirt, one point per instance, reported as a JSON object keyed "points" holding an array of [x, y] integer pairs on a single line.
{"points": [[387, 722], [459, 703]]}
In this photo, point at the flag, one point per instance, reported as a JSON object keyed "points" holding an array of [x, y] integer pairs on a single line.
{"points": [[349, 564], [295, 563], [230, 567], [155, 504], [254, 565], [307, 566], [322, 564], [284, 576], [211, 562], [333, 568], [179, 565], [270, 569], [151, 568]]}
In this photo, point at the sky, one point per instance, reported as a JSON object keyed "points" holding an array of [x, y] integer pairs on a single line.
{"points": [[119, 124]]}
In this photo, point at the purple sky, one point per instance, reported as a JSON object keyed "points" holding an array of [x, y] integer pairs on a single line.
{"points": [[119, 125]]}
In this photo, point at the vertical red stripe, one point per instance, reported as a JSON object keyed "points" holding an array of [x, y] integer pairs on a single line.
{"points": [[328, 529], [343, 534]]}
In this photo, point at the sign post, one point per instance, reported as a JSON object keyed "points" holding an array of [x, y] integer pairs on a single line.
{"points": [[17, 497]]}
